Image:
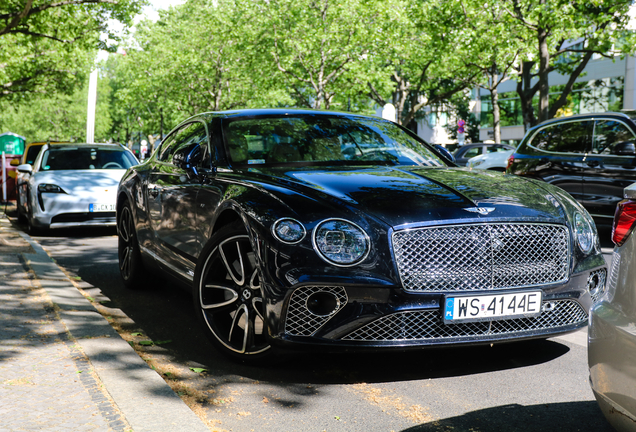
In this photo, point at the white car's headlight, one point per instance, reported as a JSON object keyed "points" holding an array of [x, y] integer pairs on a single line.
{"points": [[288, 230], [475, 163], [50, 188], [583, 232], [341, 242]]}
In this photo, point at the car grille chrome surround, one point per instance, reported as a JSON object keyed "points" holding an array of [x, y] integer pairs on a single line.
{"points": [[300, 321], [597, 293], [481, 256], [428, 325]]}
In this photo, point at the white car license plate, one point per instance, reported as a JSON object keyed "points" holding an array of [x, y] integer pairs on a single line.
{"points": [[492, 307], [101, 208]]}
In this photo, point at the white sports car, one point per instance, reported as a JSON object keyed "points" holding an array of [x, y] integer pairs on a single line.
{"points": [[495, 161], [73, 185]]}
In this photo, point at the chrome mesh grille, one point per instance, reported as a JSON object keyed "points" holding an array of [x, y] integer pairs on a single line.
{"points": [[485, 256], [427, 325], [300, 321]]}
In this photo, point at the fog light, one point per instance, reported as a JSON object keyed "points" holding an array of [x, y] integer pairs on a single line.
{"points": [[323, 303], [548, 306]]}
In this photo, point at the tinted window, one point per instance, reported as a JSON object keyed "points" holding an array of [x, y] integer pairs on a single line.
{"points": [[609, 133], [83, 158], [32, 153], [311, 138], [571, 137], [189, 135]]}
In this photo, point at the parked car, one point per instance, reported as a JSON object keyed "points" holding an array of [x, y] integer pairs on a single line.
{"points": [[496, 161], [73, 185], [468, 151], [289, 238], [591, 156], [611, 335], [31, 151]]}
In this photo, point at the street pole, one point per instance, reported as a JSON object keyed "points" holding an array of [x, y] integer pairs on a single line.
{"points": [[92, 101]]}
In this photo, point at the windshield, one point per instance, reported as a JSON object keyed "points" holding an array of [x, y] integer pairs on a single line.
{"points": [[323, 139], [84, 158]]}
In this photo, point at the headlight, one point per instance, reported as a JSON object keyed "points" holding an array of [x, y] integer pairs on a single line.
{"points": [[51, 188], [475, 163], [340, 242], [288, 230], [583, 233]]}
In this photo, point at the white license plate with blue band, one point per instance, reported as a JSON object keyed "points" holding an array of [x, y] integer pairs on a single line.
{"points": [[101, 208], [492, 307]]}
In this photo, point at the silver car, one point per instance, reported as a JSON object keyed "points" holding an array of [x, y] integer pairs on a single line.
{"points": [[73, 184], [612, 325]]}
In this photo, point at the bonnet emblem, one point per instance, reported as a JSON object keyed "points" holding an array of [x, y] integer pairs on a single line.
{"points": [[480, 210]]}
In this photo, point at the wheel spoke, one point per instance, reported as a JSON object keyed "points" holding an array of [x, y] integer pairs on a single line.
{"points": [[236, 323], [125, 261], [233, 297], [124, 229], [256, 308], [240, 280]]}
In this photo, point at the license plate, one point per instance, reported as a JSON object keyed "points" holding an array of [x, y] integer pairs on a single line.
{"points": [[492, 307], [101, 208]]}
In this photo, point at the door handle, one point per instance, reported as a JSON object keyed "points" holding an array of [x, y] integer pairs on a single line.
{"points": [[593, 164]]}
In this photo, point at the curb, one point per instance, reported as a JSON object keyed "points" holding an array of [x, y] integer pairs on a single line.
{"points": [[143, 397]]}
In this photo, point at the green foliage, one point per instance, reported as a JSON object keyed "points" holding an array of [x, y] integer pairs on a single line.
{"points": [[349, 55], [57, 117], [48, 46]]}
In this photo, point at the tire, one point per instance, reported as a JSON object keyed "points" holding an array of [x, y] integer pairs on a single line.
{"points": [[228, 298], [32, 229], [21, 216], [131, 267]]}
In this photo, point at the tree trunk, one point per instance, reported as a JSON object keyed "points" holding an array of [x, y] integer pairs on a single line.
{"points": [[524, 90], [494, 99], [544, 85]]}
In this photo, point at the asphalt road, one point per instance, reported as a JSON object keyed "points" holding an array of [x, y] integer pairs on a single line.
{"points": [[530, 386]]}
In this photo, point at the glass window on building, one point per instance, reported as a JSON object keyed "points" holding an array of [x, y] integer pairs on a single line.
{"points": [[571, 137], [610, 135]]}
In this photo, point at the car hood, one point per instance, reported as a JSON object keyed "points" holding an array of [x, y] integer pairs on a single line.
{"points": [[408, 194], [77, 181]]}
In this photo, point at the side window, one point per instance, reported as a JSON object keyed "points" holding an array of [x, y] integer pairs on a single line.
{"points": [[189, 135], [475, 151], [192, 141], [610, 137], [571, 137], [166, 147]]}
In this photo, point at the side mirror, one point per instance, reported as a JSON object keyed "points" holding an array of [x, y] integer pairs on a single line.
{"points": [[188, 158], [445, 153], [15, 162], [25, 168], [625, 148]]}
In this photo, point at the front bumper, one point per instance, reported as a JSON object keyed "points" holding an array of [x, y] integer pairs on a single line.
{"points": [[385, 317]]}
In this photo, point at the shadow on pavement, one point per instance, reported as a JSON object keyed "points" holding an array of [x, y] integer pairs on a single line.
{"points": [[553, 417]]}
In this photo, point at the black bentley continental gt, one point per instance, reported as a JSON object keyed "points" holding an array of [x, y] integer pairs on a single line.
{"points": [[299, 229]]}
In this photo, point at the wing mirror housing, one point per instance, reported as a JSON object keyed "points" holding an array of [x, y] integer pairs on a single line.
{"points": [[445, 153], [188, 158], [625, 148], [25, 168]]}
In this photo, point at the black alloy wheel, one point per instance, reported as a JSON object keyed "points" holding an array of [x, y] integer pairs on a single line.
{"points": [[228, 298], [130, 265]]}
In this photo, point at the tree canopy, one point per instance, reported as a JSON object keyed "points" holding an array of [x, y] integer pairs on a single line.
{"points": [[46, 46], [347, 55]]}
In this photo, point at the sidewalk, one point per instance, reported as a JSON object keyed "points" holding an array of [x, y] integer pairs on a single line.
{"points": [[62, 366]]}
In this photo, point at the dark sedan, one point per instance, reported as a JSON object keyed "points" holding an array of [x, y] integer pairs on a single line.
{"points": [[303, 229], [591, 156]]}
